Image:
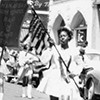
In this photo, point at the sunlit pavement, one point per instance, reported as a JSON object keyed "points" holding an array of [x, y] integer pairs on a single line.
{"points": [[13, 92]]}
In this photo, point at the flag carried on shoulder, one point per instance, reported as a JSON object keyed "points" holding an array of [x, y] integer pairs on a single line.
{"points": [[37, 35]]}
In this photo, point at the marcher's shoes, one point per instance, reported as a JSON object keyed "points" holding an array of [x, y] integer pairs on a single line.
{"points": [[23, 95], [29, 97]]}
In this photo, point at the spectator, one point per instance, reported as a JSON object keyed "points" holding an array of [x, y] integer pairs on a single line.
{"points": [[3, 72], [12, 64]]}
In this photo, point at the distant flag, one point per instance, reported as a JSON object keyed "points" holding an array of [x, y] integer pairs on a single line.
{"points": [[38, 33]]}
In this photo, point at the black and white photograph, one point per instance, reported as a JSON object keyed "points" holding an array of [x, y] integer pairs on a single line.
{"points": [[49, 49]]}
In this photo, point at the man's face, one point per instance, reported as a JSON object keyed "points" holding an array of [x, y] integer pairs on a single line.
{"points": [[63, 37]]}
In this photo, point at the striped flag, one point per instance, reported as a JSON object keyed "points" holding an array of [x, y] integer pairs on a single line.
{"points": [[37, 33]]}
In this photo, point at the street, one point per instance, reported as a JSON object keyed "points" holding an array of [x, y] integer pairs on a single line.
{"points": [[13, 92]]}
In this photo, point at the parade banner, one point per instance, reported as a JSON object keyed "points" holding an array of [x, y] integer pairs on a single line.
{"points": [[41, 5], [11, 16]]}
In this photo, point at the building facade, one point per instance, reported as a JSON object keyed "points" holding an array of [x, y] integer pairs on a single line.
{"points": [[81, 16]]}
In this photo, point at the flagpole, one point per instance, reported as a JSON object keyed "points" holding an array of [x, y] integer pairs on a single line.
{"points": [[50, 38], [32, 8]]}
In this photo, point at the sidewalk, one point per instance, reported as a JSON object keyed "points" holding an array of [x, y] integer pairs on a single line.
{"points": [[13, 92]]}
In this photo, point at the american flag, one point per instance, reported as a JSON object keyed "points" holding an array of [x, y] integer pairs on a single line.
{"points": [[37, 35]]}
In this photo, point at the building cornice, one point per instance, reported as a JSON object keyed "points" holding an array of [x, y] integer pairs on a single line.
{"points": [[61, 1]]}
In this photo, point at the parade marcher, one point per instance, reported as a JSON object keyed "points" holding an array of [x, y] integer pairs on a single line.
{"points": [[46, 60], [65, 35], [56, 81], [80, 59], [3, 72], [76, 68], [23, 59], [79, 63]]}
